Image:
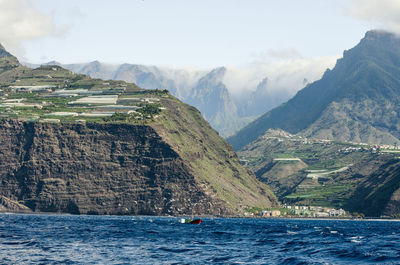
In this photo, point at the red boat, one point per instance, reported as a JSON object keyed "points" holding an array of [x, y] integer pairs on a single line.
{"points": [[195, 222], [190, 221]]}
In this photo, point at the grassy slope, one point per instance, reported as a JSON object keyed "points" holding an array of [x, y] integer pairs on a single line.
{"points": [[211, 158]]}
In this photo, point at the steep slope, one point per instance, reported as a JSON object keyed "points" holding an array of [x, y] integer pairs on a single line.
{"points": [[7, 63], [358, 100], [379, 193], [154, 155], [203, 148]]}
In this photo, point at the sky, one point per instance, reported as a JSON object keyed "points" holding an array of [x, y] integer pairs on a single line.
{"points": [[192, 33], [205, 33]]}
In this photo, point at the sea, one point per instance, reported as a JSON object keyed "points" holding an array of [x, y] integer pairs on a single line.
{"points": [[79, 239]]}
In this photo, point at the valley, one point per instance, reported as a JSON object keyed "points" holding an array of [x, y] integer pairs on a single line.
{"points": [[314, 172]]}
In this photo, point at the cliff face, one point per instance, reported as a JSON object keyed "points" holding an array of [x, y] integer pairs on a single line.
{"points": [[97, 169]]}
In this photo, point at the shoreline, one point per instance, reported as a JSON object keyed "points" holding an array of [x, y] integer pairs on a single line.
{"points": [[213, 216]]}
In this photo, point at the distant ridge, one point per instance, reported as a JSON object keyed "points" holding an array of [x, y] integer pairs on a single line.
{"points": [[207, 90]]}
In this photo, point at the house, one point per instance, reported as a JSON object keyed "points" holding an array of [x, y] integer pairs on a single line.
{"points": [[266, 213], [321, 214], [275, 213], [334, 212]]}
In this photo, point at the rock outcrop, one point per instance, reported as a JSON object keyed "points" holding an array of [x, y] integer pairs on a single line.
{"points": [[97, 169]]}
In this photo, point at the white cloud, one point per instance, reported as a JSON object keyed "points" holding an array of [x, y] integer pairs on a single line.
{"points": [[383, 14], [20, 20], [284, 76]]}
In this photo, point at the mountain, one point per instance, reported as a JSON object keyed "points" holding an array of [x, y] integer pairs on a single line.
{"points": [[358, 100], [308, 171], [4, 53], [225, 112], [214, 101], [73, 144]]}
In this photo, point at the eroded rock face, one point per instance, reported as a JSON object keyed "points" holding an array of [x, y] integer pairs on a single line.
{"points": [[97, 169]]}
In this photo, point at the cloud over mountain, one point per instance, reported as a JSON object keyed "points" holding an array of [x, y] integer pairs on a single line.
{"points": [[283, 74]]}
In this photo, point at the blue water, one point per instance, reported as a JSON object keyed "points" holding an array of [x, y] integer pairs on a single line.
{"points": [[65, 239]]}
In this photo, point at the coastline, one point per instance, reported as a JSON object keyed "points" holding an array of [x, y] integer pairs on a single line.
{"points": [[212, 216]]}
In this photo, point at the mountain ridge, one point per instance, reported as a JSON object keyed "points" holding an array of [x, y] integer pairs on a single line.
{"points": [[366, 72]]}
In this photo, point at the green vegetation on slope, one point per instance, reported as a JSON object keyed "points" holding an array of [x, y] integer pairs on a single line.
{"points": [[211, 158], [306, 171]]}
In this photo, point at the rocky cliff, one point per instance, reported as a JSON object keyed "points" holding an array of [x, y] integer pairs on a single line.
{"points": [[98, 169]]}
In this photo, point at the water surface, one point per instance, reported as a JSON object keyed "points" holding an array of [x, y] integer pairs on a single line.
{"points": [[68, 239]]}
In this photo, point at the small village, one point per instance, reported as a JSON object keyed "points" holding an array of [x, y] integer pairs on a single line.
{"points": [[281, 136]]}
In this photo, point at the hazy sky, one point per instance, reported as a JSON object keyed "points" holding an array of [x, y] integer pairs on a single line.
{"points": [[181, 33]]}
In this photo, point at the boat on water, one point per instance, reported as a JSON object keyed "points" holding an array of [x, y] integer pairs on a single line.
{"points": [[190, 221]]}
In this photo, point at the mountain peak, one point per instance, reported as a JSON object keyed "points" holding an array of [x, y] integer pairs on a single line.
{"points": [[95, 63], [218, 72], [380, 35]]}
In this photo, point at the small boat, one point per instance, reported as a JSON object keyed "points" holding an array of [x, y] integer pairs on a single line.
{"points": [[190, 221], [195, 222]]}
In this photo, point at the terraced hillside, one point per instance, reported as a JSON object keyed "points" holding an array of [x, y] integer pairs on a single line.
{"points": [[309, 171]]}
